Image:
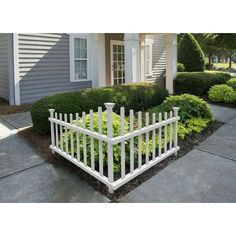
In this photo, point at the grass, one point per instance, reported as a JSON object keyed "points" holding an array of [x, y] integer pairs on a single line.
{"points": [[6, 109], [225, 65]]}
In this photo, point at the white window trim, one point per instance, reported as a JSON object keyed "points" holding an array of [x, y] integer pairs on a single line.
{"points": [[72, 58], [148, 42]]}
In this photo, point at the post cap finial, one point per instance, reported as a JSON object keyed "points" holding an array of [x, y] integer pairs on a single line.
{"points": [[175, 108], [51, 110], [109, 104]]}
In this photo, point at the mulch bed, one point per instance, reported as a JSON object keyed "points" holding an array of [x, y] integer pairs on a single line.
{"points": [[41, 145], [6, 109]]}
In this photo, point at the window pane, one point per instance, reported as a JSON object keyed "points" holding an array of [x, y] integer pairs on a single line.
{"points": [[83, 43], [77, 48], [80, 69], [80, 48]]}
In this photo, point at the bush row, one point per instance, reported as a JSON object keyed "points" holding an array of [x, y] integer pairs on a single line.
{"points": [[198, 83], [195, 115], [139, 96]]}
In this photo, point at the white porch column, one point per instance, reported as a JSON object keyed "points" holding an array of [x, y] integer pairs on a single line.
{"points": [[132, 58], [98, 63], [171, 61]]}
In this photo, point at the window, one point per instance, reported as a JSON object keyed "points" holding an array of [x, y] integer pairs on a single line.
{"points": [[78, 58], [148, 58]]}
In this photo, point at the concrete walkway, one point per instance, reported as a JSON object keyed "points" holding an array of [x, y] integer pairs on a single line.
{"points": [[26, 177], [205, 174]]}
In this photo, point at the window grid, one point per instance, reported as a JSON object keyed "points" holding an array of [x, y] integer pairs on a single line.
{"points": [[118, 64]]}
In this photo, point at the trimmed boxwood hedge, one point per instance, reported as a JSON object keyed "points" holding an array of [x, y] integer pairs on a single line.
{"points": [[190, 106], [138, 96], [198, 83]]}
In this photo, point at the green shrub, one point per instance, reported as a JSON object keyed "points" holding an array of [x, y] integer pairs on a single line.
{"points": [[116, 148], [132, 96], [180, 67], [222, 93], [190, 107], [193, 125], [198, 83], [195, 121], [195, 115], [232, 83], [190, 53]]}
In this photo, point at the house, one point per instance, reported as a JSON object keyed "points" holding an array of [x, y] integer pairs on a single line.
{"points": [[36, 65]]}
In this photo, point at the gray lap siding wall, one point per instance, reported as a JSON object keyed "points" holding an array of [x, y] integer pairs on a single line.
{"points": [[4, 84], [158, 58], [44, 66]]}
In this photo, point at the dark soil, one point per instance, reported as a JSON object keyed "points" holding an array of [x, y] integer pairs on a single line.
{"points": [[6, 109], [41, 144]]}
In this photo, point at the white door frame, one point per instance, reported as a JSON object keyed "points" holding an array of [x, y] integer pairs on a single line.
{"points": [[113, 42]]}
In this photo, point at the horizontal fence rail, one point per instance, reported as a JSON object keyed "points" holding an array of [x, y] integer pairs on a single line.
{"points": [[114, 148]]}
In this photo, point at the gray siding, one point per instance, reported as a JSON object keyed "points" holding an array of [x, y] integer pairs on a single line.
{"points": [[158, 58], [4, 84], [44, 67]]}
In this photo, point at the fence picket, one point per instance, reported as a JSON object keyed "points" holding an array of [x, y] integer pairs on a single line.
{"points": [[56, 128], [153, 137], [122, 132], [147, 138], [100, 141], [66, 138], [51, 111], [131, 121], [92, 141], [165, 134], [71, 138], [176, 109], [77, 137], [171, 131], [61, 134], [139, 140], [159, 136], [84, 139]]}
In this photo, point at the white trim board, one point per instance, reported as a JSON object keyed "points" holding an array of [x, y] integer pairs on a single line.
{"points": [[16, 69]]}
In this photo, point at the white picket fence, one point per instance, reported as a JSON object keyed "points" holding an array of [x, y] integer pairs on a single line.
{"points": [[138, 149]]}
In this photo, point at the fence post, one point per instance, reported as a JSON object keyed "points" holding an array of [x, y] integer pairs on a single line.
{"points": [[51, 111], [176, 109], [109, 107]]}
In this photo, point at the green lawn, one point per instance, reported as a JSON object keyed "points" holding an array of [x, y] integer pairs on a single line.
{"points": [[225, 65]]}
